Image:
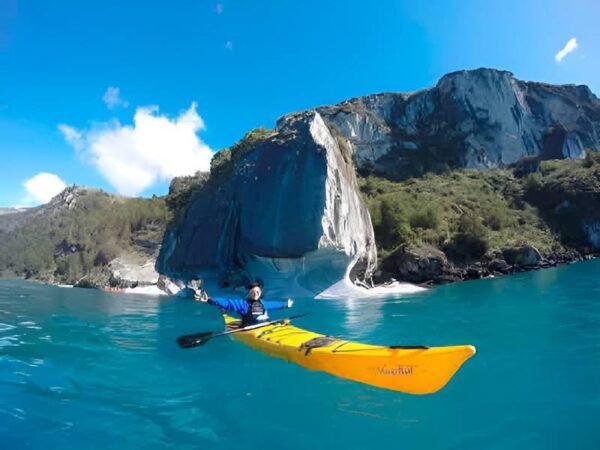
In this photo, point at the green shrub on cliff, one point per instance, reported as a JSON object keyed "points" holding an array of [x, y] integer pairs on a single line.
{"points": [[470, 241], [248, 141], [591, 159], [393, 227], [467, 213], [182, 189], [220, 161], [429, 217], [566, 193], [533, 182]]}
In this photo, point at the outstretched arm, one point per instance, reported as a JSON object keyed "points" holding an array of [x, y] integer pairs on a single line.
{"points": [[228, 304], [278, 304]]}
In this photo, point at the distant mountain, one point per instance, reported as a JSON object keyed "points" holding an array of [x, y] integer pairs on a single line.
{"points": [[11, 210], [82, 236]]}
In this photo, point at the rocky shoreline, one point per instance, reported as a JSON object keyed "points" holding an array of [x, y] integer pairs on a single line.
{"points": [[429, 267], [425, 269]]}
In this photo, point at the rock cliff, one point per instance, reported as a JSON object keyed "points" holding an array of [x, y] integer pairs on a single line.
{"points": [[476, 119], [284, 203]]}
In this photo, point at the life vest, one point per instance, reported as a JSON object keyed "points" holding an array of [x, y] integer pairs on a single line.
{"points": [[256, 313]]}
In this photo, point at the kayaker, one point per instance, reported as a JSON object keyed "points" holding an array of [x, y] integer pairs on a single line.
{"points": [[252, 309]]}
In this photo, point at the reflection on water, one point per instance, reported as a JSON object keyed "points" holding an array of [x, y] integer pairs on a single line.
{"points": [[362, 315], [362, 308], [346, 289]]}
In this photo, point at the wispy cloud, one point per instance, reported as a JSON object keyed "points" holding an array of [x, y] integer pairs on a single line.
{"points": [[133, 158], [112, 98], [41, 188], [229, 45], [569, 47], [72, 136], [219, 8]]}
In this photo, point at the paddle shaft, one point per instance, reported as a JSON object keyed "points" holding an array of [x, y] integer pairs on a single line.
{"points": [[193, 340]]}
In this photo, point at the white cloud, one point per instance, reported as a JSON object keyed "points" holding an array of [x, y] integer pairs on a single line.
{"points": [[71, 135], [132, 158], [112, 98], [229, 45], [219, 8], [569, 47], [42, 187]]}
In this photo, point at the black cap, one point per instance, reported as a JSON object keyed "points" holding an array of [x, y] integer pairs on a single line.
{"points": [[254, 284]]}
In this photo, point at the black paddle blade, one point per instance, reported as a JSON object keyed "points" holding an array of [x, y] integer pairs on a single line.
{"points": [[194, 340]]}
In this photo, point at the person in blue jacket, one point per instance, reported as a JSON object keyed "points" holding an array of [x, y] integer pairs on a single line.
{"points": [[253, 309]]}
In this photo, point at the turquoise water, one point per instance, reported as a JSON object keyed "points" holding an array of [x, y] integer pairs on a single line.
{"points": [[87, 369]]}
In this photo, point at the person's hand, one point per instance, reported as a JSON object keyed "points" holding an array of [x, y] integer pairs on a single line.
{"points": [[290, 302], [200, 296]]}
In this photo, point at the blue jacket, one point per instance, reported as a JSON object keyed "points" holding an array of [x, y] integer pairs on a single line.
{"points": [[242, 307]]}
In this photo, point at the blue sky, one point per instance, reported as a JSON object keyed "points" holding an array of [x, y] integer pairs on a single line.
{"points": [[122, 95]]}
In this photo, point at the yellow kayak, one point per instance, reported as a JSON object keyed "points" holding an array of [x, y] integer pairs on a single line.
{"points": [[410, 370]]}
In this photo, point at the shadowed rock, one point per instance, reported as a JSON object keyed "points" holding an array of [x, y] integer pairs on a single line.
{"points": [[287, 205]]}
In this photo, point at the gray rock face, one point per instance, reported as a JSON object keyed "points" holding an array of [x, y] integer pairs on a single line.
{"points": [[478, 119], [524, 256], [134, 269], [591, 229], [288, 206], [418, 265]]}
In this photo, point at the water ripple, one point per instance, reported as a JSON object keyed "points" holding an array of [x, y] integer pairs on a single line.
{"points": [[83, 369]]}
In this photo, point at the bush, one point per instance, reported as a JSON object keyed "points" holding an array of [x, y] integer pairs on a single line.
{"points": [[466, 247], [106, 254], [248, 141], [470, 224], [470, 243], [371, 187], [496, 218], [591, 158], [533, 182], [428, 218], [220, 160], [394, 228]]}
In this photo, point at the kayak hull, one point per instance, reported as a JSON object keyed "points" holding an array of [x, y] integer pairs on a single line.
{"points": [[408, 370]]}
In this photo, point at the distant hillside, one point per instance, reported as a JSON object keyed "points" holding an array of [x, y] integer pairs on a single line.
{"points": [[470, 223], [10, 210], [78, 234]]}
